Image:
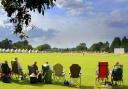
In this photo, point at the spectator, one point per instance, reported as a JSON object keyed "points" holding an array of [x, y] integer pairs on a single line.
{"points": [[114, 72], [47, 73], [5, 68], [18, 65], [35, 68]]}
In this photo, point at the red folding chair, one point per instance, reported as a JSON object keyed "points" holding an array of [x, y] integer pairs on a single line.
{"points": [[103, 72]]}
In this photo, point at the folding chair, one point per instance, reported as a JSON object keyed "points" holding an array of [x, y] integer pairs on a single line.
{"points": [[58, 73], [75, 75], [31, 71], [47, 74], [15, 70], [117, 74], [103, 73], [5, 73], [0, 70]]}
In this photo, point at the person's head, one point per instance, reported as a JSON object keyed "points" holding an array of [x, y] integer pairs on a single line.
{"points": [[6, 62], [117, 63], [46, 62], [16, 59], [35, 63]]}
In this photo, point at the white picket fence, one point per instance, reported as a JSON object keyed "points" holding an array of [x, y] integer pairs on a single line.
{"points": [[18, 51]]}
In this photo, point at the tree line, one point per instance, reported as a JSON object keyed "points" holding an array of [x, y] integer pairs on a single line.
{"points": [[82, 47]]}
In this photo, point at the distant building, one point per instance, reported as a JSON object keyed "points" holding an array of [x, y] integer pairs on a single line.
{"points": [[119, 51]]}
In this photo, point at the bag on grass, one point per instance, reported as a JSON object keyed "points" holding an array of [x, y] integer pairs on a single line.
{"points": [[6, 79], [66, 83]]}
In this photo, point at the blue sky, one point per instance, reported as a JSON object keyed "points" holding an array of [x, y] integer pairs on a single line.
{"points": [[73, 21]]}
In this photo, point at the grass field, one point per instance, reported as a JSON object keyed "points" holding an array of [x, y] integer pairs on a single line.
{"points": [[88, 63]]}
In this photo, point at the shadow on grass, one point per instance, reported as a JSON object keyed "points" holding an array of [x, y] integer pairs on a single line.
{"points": [[87, 87], [26, 82], [120, 87]]}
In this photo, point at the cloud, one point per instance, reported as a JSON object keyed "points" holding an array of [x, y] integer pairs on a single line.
{"points": [[38, 36], [74, 7], [101, 20], [75, 29], [118, 19], [37, 32], [121, 0], [5, 32]]}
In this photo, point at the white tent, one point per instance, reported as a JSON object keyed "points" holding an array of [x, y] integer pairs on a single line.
{"points": [[26, 51], [22, 50], [3, 50], [19, 50], [29, 51], [16, 50], [7, 50], [0, 50], [11, 50], [36, 51], [33, 51]]}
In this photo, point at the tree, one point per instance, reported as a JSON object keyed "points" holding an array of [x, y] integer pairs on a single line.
{"points": [[22, 45], [105, 47], [18, 11], [81, 47], [6, 44], [116, 43], [100, 46], [44, 47], [124, 43], [96, 47]]}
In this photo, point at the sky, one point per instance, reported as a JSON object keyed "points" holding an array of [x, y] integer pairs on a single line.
{"points": [[71, 22]]}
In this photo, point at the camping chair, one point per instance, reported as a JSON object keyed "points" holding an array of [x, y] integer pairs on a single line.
{"points": [[15, 70], [117, 75], [30, 70], [5, 73], [75, 75], [0, 70], [103, 72], [47, 74], [58, 73], [102, 75]]}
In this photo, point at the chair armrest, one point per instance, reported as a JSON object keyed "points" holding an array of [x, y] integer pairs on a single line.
{"points": [[63, 73], [80, 74]]}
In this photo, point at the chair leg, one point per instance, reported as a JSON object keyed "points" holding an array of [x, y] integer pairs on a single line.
{"points": [[70, 81], [80, 81]]}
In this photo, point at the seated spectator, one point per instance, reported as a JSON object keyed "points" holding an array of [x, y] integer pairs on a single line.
{"points": [[19, 66], [47, 73], [116, 66], [5, 68], [6, 73], [35, 68], [116, 73]]}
